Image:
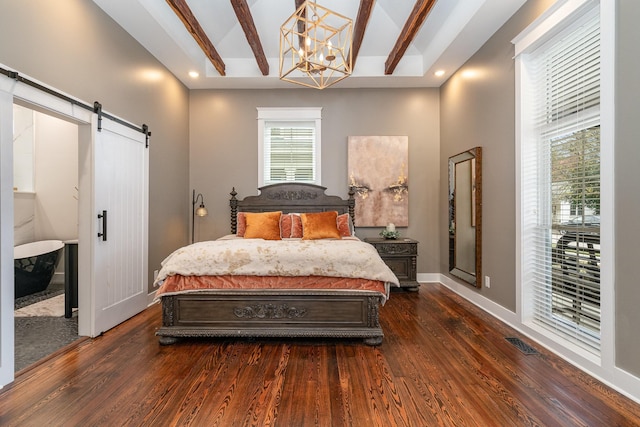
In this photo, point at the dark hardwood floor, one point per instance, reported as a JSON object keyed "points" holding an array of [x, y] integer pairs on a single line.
{"points": [[443, 362]]}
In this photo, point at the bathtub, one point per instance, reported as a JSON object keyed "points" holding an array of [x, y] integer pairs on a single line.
{"points": [[34, 265]]}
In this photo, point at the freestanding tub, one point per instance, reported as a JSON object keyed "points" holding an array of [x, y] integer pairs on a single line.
{"points": [[34, 265]]}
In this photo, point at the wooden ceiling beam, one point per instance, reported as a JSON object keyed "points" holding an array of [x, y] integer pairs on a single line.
{"points": [[362, 20], [364, 13], [182, 10], [241, 8], [301, 26], [411, 28]]}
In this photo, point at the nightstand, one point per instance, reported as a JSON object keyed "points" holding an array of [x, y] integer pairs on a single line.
{"points": [[401, 257]]}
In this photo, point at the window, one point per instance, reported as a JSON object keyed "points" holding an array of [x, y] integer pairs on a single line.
{"points": [[559, 100], [289, 145]]}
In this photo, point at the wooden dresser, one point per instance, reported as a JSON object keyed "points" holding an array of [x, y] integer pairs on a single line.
{"points": [[401, 257]]}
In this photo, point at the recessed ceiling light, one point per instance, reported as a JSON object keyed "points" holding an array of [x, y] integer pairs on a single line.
{"points": [[193, 74], [439, 73]]}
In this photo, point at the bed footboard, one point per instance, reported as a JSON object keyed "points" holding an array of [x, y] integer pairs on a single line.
{"points": [[272, 313]]}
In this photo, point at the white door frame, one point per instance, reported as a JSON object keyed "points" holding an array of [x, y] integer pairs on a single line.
{"points": [[6, 233]]}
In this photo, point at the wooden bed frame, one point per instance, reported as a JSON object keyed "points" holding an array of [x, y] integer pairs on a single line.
{"points": [[269, 312]]}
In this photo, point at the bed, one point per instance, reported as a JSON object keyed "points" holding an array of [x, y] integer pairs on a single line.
{"points": [[284, 295]]}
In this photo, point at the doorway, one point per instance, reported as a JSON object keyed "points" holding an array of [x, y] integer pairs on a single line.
{"points": [[112, 165], [45, 189]]}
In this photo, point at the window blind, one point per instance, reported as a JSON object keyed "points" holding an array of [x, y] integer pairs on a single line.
{"points": [[289, 151], [561, 184]]}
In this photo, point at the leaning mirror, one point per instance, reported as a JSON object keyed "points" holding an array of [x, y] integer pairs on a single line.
{"points": [[465, 216]]}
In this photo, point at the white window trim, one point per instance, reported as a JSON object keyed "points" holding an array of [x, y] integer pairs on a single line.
{"points": [[552, 21], [561, 14], [289, 114]]}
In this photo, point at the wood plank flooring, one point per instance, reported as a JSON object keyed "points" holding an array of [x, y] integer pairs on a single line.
{"points": [[443, 362]]}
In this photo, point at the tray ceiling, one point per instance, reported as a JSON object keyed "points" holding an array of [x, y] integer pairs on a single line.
{"points": [[452, 31]]}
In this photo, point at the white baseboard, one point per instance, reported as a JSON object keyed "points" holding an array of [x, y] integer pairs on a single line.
{"points": [[150, 299], [429, 277]]}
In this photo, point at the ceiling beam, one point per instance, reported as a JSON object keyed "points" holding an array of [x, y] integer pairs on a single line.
{"points": [[192, 25], [364, 13], [241, 8], [411, 27], [301, 25]]}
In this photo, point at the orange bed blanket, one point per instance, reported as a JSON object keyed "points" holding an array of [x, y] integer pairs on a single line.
{"points": [[178, 284]]}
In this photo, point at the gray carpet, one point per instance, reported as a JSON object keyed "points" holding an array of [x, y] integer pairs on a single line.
{"points": [[38, 337]]}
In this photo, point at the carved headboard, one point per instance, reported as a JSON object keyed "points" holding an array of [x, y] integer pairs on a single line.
{"points": [[291, 197]]}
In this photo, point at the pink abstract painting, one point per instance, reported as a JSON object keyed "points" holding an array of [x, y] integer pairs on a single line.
{"points": [[379, 174]]}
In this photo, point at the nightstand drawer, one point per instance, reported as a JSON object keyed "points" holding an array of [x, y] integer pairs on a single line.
{"points": [[401, 257], [396, 248]]}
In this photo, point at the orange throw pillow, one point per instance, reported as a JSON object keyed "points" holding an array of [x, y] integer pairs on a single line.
{"points": [[320, 225], [262, 225]]}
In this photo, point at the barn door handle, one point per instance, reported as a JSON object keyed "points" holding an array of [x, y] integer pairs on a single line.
{"points": [[103, 216]]}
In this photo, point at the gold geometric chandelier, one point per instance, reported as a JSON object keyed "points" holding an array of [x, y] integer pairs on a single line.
{"points": [[315, 47]]}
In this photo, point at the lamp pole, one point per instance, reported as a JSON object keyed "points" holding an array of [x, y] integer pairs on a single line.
{"points": [[201, 211]]}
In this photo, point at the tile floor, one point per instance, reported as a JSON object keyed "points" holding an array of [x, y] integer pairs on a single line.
{"points": [[40, 326]]}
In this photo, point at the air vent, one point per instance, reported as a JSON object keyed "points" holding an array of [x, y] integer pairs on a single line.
{"points": [[522, 346]]}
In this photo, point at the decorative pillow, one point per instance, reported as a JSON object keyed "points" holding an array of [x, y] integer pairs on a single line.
{"points": [[263, 225], [345, 225], [241, 224], [291, 226], [296, 226], [285, 226], [320, 225]]}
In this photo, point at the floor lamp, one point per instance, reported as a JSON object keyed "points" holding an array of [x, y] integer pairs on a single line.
{"points": [[201, 211]]}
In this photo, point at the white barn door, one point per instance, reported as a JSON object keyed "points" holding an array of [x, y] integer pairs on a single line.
{"points": [[119, 225]]}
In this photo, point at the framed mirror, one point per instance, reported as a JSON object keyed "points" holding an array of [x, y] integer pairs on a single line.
{"points": [[465, 216]]}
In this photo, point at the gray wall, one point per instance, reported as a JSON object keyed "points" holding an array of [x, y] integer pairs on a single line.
{"points": [[485, 104], [627, 196], [224, 144], [76, 48], [477, 108]]}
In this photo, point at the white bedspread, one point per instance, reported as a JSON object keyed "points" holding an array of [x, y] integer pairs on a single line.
{"points": [[347, 257]]}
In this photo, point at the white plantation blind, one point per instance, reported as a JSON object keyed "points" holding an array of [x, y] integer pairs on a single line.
{"points": [[289, 145], [561, 182], [289, 152]]}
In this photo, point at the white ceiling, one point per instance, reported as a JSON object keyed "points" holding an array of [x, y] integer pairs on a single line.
{"points": [[453, 31]]}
